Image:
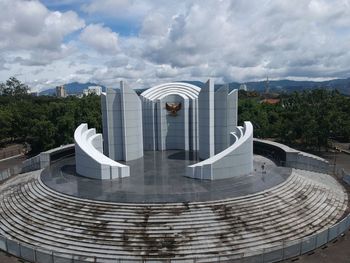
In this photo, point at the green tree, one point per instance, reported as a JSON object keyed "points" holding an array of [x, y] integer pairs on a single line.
{"points": [[5, 125], [307, 119], [42, 136], [13, 87]]}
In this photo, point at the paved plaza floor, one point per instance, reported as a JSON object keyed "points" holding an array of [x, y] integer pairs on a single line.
{"points": [[158, 177]]}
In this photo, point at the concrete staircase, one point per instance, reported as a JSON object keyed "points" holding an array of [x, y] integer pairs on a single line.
{"points": [[304, 204]]}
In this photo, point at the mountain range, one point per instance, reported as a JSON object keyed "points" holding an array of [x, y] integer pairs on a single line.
{"points": [[287, 86], [276, 86]]}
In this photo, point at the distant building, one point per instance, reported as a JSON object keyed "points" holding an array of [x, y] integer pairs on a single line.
{"points": [[97, 90], [267, 86], [271, 101], [61, 92], [34, 93], [243, 87]]}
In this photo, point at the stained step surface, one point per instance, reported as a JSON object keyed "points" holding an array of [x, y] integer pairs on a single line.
{"points": [[32, 213]]}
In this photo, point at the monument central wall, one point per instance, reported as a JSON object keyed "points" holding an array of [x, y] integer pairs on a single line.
{"points": [[164, 129], [176, 116], [173, 129], [203, 124]]}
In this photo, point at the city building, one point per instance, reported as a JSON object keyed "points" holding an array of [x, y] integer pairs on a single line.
{"points": [[61, 92], [270, 101], [97, 90], [243, 87]]}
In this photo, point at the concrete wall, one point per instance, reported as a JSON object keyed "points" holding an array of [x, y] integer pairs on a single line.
{"points": [[280, 251], [206, 121], [173, 131], [234, 161], [210, 118], [149, 115], [112, 124], [225, 121], [44, 159], [89, 159], [297, 159], [131, 124], [307, 161], [163, 131], [122, 124]]}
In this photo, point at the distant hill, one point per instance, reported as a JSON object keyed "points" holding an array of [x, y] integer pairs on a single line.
{"points": [[287, 86], [276, 86], [72, 88]]}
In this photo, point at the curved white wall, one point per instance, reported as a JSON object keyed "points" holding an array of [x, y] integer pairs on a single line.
{"points": [[162, 131], [89, 158], [175, 87], [233, 161], [298, 159]]}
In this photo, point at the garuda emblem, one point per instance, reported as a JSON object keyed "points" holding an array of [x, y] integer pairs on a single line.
{"points": [[173, 108]]}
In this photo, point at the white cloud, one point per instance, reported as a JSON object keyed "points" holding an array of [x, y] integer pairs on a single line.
{"points": [[240, 41], [156, 24], [29, 25], [228, 40], [165, 71], [2, 64], [100, 38]]}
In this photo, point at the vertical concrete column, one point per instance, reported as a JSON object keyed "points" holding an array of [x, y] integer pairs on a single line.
{"points": [[197, 126], [206, 120], [145, 114], [186, 123], [193, 110], [132, 131], [148, 125], [220, 112], [122, 124], [232, 110], [104, 123], [153, 123], [225, 117], [112, 124], [160, 128]]}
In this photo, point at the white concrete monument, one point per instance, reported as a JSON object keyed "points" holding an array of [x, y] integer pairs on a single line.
{"points": [[176, 116]]}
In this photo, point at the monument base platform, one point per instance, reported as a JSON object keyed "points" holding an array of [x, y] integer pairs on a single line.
{"points": [[158, 177]]}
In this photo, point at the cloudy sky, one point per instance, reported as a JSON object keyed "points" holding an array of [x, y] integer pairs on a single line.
{"points": [[51, 42]]}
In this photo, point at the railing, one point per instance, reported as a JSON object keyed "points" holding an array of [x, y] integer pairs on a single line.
{"points": [[10, 153], [284, 250], [39, 161], [305, 166], [290, 157], [345, 176], [14, 170]]}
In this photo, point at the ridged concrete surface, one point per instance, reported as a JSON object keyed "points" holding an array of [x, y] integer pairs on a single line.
{"points": [[32, 213]]}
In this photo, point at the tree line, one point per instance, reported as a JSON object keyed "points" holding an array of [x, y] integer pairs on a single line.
{"points": [[44, 122], [306, 119]]}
